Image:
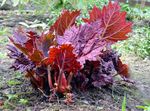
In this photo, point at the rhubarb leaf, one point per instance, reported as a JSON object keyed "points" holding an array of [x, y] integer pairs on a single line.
{"points": [[21, 62], [46, 40], [64, 58], [86, 41], [36, 56], [95, 14], [102, 80], [112, 21], [65, 21], [123, 69]]}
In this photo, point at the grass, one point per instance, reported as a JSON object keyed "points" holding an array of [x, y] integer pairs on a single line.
{"points": [[3, 55], [145, 107], [3, 31], [124, 104]]}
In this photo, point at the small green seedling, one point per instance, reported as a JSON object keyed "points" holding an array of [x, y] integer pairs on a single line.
{"points": [[23, 101]]}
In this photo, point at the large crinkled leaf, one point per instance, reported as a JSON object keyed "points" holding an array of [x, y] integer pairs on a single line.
{"points": [[24, 41], [100, 73], [112, 21], [27, 43], [86, 41], [112, 56], [66, 20], [20, 36], [95, 14], [102, 80], [66, 61], [64, 57]]}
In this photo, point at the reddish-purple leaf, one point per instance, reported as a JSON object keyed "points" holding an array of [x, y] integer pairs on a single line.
{"points": [[66, 61], [123, 69], [36, 56], [19, 36], [86, 41], [112, 21], [64, 57], [66, 20], [21, 62], [46, 40], [103, 80], [95, 14]]}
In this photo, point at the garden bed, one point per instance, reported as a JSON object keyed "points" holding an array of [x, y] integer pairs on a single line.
{"points": [[17, 93]]}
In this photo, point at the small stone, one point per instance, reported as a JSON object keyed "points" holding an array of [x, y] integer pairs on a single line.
{"points": [[99, 108]]}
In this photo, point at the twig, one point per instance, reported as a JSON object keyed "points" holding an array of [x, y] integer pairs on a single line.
{"points": [[43, 93]]}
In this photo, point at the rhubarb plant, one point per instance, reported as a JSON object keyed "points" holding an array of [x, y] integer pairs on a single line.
{"points": [[71, 57]]}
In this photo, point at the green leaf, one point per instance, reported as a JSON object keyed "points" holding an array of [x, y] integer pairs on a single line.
{"points": [[147, 102], [3, 55], [24, 1], [23, 101], [124, 104], [142, 107], [13, 82], [12, 96]]}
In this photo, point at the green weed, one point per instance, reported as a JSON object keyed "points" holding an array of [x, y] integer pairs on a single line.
{"points": [[3, 55], [23, 101], [3, 31], [145, 107], [13, 82]]}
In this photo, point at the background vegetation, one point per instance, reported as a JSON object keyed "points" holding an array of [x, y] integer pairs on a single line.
{"points": [[139, 40]]}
